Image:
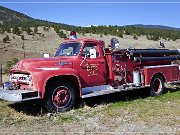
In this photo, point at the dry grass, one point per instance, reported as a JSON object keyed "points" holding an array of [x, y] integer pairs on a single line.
{"points": [[127, 112]]}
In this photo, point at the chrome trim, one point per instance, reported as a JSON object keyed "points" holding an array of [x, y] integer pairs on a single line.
{"points": [[98, 92], [87, 90], [17, 95]]}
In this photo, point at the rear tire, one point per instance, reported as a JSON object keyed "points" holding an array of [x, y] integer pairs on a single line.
{"points": [[157, 85], [60, 96]]}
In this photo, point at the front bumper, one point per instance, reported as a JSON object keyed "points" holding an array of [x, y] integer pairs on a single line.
{"points": [[18, 95]]}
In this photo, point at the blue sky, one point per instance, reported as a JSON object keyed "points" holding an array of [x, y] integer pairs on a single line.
{"points": [[100, 12]]}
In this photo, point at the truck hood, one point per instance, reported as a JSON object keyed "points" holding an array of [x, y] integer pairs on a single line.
{"points": [[42, 63]]}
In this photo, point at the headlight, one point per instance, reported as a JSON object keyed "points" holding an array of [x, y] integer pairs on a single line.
{"points": [[29, 80]]}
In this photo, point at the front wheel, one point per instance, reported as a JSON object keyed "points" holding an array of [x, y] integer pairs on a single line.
{"points": [[157, 85], [60, 96]]}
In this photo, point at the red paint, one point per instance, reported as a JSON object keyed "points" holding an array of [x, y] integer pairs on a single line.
{"points": [[170, 73]]}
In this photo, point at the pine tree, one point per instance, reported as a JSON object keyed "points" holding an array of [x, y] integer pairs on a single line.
{"points": [[8, 29], [22, 37], [28, 31], [135, 37], [6, 38], [62, 34], [35, 29], [16, 30], [9, 64], [120, 34]]}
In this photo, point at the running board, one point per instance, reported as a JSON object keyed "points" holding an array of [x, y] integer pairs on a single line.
{"points": [[19, 95], [100, 93], [174, 82], [110, 90]]}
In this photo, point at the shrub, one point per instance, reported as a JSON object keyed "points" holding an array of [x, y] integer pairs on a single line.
{"points": [[35, 29], [135, 37], [45, 29], [16, 30], [9, 64], [29, 31], [22, 37], [120, 34], [8, 30], [105, 33], [127, 32], [5, 39], [62, 34]]}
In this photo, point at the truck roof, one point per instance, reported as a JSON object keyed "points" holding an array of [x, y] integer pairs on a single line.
{"points": [[84, 40]]}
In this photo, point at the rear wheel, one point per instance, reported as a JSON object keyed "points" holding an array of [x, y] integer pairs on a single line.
{"points": [[60, 96], [157, 85]]}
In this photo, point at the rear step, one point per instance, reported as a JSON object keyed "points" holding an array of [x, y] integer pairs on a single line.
{"points": [[19, 95]]}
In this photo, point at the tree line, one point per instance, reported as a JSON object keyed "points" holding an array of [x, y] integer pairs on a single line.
{"points": [[150, 33]]}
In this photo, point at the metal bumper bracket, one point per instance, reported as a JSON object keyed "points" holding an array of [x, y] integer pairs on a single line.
{"points": [[19, 95]]}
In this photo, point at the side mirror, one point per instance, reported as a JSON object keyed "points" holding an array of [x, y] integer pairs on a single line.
{"points": [[114, 43], [92, 53]]}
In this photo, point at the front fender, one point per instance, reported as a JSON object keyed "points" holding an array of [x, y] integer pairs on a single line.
{"points": [[41, 76]]}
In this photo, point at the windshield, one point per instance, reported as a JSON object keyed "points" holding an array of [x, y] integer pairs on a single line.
{"points": [[68, 49]]}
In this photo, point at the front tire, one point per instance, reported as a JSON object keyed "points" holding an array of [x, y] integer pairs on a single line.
{"points": [[60, 96], [157, 85]]}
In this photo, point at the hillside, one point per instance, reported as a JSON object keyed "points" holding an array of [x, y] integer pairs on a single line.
{"points": [[9, 16], [156, 26]]}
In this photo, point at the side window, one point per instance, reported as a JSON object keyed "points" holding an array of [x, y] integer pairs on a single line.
{"points": [[91, 50]]}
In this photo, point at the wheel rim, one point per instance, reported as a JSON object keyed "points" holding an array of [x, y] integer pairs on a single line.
{"points": [[61, 97], [157, 85]]}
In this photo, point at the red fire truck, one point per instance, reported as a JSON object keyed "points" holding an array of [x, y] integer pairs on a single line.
{"points": [[83, 68]]}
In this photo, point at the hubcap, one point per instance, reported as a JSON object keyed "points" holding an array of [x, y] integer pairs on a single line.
{"points": [[61, 97], [157, 85]]}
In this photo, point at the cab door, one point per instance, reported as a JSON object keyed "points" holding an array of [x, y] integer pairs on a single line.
{"points": [[92, 70]]}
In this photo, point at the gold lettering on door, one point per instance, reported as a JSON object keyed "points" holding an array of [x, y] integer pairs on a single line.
{"points": [[91, 68]]}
